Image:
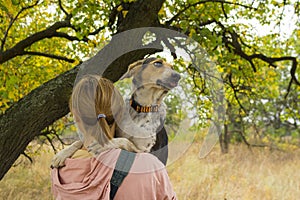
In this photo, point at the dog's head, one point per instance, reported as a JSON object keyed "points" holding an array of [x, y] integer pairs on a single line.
{"points": [[153, 72]]}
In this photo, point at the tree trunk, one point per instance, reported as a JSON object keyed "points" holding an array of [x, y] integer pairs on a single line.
{"points": [[29, 116], [224, 140]]}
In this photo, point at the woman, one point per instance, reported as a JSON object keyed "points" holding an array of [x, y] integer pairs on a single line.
{"points": [[94, 177]]}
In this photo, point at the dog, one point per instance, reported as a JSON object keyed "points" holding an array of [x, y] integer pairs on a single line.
{"points": [[142, 127]]}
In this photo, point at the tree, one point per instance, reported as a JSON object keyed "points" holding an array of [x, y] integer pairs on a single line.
{"points": [[43, 44]]}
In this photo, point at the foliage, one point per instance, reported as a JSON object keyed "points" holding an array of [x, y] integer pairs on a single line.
{"points": [[256, 67], [259, 68], [21, 20]]}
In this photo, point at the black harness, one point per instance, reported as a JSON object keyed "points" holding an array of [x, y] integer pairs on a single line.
{"points": [[121, 170]]}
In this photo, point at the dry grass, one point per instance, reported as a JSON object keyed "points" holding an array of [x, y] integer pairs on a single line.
{"points": [[28, 181], [237, 175]]}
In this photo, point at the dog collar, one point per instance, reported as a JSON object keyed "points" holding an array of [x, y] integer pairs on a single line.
{"points": [[144, 109]]}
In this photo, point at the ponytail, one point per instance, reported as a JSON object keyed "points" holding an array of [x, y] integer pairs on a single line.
{"points": [[106, 128], [93, 98]]}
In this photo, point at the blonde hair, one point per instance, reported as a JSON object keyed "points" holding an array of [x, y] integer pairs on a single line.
{"points": [[94, 95]]}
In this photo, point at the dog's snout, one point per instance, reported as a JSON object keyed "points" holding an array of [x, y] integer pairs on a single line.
{"points": [[176, 76]]}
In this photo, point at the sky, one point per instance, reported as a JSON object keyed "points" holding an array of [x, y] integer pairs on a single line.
{"points": [[285, 28]]}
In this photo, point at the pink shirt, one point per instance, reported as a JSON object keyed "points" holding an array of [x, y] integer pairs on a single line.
{"points": [[89, 179]]}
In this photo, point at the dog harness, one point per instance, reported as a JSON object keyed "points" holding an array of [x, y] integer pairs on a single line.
{"points": [[139, 108], [121, 170]]}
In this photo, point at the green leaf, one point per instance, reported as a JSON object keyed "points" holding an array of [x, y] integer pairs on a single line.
{"points": [[15, 2], [2, 7]]}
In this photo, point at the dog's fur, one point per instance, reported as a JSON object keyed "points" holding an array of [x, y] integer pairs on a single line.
{"points": [[139, 130]]}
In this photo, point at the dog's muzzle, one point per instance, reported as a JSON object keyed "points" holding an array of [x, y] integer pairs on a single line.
{"points": [[171, 82]]}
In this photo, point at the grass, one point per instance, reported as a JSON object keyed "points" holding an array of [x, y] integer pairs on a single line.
{"points": [[28, 181], [240, 174]]}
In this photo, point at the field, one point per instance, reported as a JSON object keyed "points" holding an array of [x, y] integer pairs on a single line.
{"points": [[240, 174]]}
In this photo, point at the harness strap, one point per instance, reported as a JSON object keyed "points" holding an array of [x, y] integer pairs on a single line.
{"points": [[121, 170]]}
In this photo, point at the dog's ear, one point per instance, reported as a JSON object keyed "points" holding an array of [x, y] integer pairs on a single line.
{"points": [[132, 69]]}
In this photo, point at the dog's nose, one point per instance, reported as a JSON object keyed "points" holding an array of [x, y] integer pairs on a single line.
{"points": [[176, 76]]}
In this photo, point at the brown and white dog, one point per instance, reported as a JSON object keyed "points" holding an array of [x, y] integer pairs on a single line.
{"points": [[142, 127]]}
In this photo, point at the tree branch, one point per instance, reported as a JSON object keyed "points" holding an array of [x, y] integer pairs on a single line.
{"points": [[97, 30], [49, 32], [233, 43], [73, 38], [28, 157], [235, 93], [113, 15], [223, 10], [69, 37], [18, 49], [49, 56], [62, 8], [175, 17], [12, 21]]}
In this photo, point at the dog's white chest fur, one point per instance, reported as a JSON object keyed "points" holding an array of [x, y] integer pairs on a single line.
{"points": [[141, 128]]}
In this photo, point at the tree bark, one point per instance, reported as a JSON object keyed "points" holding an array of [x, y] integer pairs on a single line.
{"points": [[224, 140], [49, 102], [28, 117]]}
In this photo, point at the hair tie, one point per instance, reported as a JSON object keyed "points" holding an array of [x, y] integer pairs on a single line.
{"points": [[101, 116]]}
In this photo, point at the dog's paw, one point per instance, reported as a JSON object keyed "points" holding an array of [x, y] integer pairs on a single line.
{"points": [[60, 158], [125, 144], [95, 148]]}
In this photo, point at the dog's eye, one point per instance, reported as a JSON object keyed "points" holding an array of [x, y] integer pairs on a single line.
{"points": [[158, 64]]}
